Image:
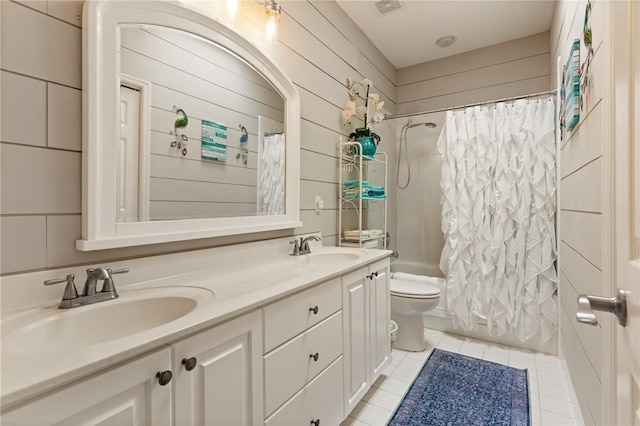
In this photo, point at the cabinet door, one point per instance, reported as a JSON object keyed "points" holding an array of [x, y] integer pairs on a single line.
{"points": [[355, 310], [380, 298], [125, 395], [225, 385]]}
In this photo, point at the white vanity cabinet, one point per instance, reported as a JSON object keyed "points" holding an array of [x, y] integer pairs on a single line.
{"points": [[303, 365], [126, 395], [218, 374], [366, 313]]}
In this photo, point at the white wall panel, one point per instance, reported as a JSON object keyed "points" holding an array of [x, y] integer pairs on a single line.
{"points": [[36, 45], [581, 190], [24, 110], [39, 181], [24, 245], [64, 106]]}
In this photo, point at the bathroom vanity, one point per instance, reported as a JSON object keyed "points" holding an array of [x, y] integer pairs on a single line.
{"points": [[296, 340]]}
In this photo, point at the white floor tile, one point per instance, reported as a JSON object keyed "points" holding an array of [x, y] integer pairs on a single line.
{"points": [[373, 415], [557, 406], [552, 379], [397, 356], [548, 418], [352, 421], [412, 363], [552, 391], [420, 356], [383, 399], [406, 374], [393, 385]]}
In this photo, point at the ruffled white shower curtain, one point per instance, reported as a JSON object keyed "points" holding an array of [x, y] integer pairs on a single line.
{"points": [[498, 217], [271, 175]]}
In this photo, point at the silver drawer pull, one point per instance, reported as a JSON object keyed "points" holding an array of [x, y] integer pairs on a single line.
{"points": [[315, 356]]}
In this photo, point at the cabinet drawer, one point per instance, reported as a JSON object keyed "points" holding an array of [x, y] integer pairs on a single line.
{"points": [[289, 317], [293, 360], [321, 399]]}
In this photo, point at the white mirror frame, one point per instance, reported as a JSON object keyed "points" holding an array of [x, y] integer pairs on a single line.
{"points": [[100, 130]]}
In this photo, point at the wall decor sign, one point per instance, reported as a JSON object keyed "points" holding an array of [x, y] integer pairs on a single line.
{"points": [[214, 141], [571, 87]]}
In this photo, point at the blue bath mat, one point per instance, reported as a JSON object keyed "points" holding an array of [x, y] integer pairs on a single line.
{"points": [[454, 389]]}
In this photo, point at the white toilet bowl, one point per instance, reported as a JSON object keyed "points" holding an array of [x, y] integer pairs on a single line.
{"points": [[409, 301]]}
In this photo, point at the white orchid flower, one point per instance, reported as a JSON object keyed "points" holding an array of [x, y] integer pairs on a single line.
{"points": [[378, 117], [374, 97], [379, 106], [366, 82]]}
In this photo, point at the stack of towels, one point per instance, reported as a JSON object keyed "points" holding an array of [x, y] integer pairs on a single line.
{"points": [[351, 190], [365, 234]]}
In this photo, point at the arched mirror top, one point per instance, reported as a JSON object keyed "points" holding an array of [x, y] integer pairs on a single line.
{"points": [[189, 129]]}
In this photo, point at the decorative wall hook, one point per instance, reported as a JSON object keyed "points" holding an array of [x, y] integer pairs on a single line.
{"points": [[244, 137], [181, 122]]}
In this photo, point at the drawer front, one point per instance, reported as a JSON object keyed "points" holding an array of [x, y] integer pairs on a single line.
{"points": [[289, 368], [287, 318], [321, 399]]}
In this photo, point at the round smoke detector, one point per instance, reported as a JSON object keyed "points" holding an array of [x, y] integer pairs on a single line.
{"points": [[446, 41]]}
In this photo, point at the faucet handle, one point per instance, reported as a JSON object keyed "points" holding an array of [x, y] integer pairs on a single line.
{"points": [[109, 286], [70, 291], [296, 247]]}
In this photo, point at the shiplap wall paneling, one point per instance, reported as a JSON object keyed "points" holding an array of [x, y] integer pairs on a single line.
{"points": [[581, 207], [319, 48], [517, 67]]}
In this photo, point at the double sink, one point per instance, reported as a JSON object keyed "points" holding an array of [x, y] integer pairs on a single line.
{"points": [[137, 310]]}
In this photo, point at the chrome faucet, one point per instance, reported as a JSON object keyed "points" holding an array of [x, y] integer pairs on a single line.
{"points": [[302, 247], [70, 298]]}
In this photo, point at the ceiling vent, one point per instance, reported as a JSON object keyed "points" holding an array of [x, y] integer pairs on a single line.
{"points": [[386, 6]]}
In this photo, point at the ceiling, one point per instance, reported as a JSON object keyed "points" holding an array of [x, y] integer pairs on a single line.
{"points": [[407, 36]]}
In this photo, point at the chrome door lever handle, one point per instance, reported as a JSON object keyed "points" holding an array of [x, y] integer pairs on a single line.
{"points": [[615, 305]]}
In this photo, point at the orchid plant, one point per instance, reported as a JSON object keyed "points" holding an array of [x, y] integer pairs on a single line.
{"points": [[355, 108]]}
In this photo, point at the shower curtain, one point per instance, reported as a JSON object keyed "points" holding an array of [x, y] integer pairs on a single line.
{"points": [[271, 174], [498, 217]]}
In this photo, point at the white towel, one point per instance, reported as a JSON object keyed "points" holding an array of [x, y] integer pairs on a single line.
{"points": [[437, 281]]}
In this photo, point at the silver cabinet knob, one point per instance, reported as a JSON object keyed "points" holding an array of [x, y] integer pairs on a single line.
{"points": [[615, 305]]}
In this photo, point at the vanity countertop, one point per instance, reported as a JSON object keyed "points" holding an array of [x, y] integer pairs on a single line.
{"points": [[239, 286]]}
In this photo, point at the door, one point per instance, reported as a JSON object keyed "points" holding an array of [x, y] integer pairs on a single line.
{"points": [[218, 375], [127, 155], [625, 31], [126, 395]]}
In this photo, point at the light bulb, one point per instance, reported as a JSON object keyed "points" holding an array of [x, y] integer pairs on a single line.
{"points": [[271, 22], [232, 9]]}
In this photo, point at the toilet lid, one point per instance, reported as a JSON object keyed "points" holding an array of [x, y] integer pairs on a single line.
{"points": [[414, 288]]}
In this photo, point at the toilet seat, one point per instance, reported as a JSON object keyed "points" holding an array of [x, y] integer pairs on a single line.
{"points": [[413, 289]]}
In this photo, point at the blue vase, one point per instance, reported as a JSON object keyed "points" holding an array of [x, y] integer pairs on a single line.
{"points": [[368, 146]]}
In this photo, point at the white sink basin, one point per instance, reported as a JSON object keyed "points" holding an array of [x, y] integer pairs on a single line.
{"points": [[135, 311], [331, 256]]}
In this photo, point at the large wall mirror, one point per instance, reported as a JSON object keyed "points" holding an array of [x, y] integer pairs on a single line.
{"points": [[189, 130]]}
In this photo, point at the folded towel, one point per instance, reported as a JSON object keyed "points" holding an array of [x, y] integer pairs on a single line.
{"points": [[364, 234], [437, 281]]}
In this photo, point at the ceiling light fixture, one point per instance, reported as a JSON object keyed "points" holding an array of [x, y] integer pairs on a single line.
{"points": [[271, 24], [232, 9], [446, 41]]}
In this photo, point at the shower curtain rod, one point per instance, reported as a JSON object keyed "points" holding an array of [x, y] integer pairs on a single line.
{"points": [[514, 98]]}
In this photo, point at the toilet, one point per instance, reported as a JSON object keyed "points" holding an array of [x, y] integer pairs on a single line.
{"points": [[411, 297]]}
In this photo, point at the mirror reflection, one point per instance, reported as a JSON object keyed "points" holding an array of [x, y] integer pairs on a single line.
{"points": [[201, 131]]}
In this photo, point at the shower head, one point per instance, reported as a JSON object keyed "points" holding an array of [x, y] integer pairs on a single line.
{"points": [[428, 124]]}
